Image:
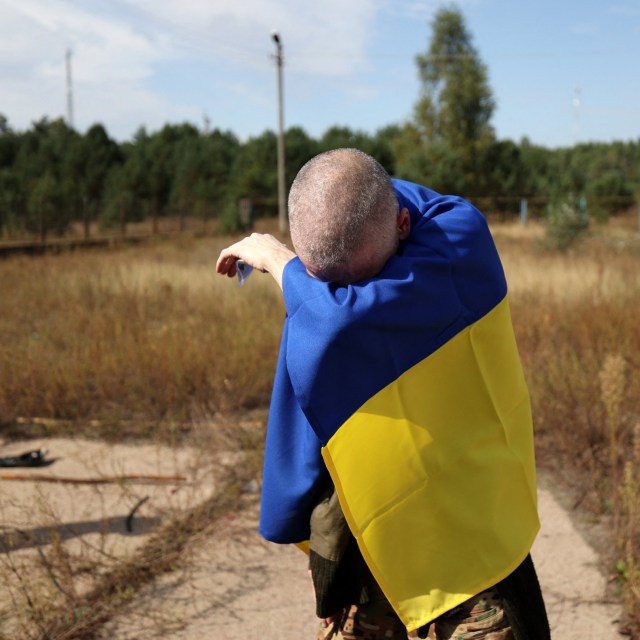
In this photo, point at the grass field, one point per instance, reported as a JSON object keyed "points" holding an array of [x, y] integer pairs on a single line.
{"points": [[576, 321], [131, 342], [144, 333]]}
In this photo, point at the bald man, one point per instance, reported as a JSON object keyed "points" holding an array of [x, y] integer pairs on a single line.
{"points": [[399, 441], [333, 244]]}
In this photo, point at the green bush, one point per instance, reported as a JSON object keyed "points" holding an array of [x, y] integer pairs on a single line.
{"points": [[565, 225]]}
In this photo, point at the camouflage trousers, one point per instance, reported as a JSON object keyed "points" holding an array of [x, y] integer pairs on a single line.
{"points": [[479, 618]]}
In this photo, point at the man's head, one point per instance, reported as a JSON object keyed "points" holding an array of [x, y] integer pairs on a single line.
{"points": [[343, 215]]}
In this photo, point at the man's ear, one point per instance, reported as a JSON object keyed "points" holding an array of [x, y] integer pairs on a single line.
{"points": [[403, 225]]}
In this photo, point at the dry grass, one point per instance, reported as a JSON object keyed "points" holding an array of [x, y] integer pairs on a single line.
{"points": [[576, 319], [167, 550], [166, 225], [136, 337], [120, 344], [70, 556], [141, 333]]}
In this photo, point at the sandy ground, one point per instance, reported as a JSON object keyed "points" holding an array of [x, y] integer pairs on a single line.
{"points": [[243, 587], [236, 585], [578, 600]]}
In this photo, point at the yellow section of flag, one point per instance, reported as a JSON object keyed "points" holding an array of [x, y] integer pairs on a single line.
{"points": [[436, 473]]}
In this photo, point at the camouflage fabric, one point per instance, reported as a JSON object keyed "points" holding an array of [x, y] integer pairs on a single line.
{"points": [[479, 618], [375, 620]]}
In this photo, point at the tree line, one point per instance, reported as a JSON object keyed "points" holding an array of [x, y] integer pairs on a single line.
{"points": [[52, 175]]}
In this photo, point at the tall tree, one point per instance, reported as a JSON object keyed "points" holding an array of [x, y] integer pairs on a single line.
{"points": [[377, 146], [9, 183], [451, 123], [254, 175], [300, 148], [98, 154], [125, 194], [47, 176], [219, 151], [456, 104], [200, 175]]}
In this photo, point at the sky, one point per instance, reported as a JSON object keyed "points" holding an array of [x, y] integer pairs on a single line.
{"points": [[561, 71]]}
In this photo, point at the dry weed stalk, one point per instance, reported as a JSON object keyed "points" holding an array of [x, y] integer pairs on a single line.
{"points": [[612, 387], [631, 498], [570, 312]]}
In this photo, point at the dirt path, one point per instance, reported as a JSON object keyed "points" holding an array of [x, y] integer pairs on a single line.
{"points": [[574, 587], [243, 587], [236, 585]]}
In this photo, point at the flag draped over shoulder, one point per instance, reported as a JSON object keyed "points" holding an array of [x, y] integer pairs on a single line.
{"points": [[407, 389]]}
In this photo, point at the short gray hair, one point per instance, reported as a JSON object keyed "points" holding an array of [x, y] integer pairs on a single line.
{"points": [[339, 200]]}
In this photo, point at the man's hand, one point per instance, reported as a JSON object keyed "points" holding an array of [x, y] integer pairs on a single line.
{"points": [[261, 251]]}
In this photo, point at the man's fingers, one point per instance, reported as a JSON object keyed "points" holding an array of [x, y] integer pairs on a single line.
{"points": [[251, 249], [226, 264]]}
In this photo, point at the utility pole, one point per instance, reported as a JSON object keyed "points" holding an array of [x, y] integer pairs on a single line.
{"points": [[282, 202], [69, 90]]}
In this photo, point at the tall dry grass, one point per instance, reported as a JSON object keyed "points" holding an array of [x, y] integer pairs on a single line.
{"points": [[148, 333], [577, 319]]}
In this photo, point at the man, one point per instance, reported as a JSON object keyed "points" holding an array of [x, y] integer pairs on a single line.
{"points": [[399, 438]]}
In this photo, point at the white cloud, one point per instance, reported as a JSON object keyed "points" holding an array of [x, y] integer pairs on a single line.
{"points": [[422, 10], [585, 29], [328, 38], [360, 93], [105, 47], [247, 94], [127, 107], [111, 61], [626, 10], [122, 48], [412, 9]]}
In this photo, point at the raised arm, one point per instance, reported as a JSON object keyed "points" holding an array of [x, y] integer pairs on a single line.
{"points": [[261, 251]]}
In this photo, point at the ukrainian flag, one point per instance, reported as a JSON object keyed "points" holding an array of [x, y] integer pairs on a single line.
{"points": [[407, 388]]}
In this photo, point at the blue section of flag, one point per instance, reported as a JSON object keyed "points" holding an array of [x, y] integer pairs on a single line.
{"points": [[293, 464], [343, 344]]}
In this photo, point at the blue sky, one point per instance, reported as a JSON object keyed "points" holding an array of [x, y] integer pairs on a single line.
{"points": [[561, 71]]}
